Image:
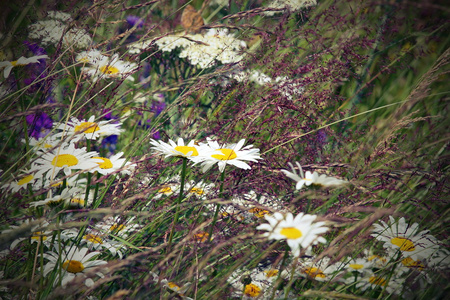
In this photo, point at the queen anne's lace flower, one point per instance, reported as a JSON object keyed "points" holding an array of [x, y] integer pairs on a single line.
{"points": [[203, 51], [57, 27], [291, 5]]}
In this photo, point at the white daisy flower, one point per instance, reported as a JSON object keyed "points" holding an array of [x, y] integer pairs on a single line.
{"points": [[232, 154], [22, 61], [114, 164], [66, 159], [372, 280], [180, 290], [72, 181], [359, 265], [45, 143], [25, 179], [191, 150], [257, 204], [90, 57], [318, 270], [38, 232], [73, 262], [96, 240], [91, 130], [66, 195], [110, 67], [256, 284], [406, 238], [117, 226], [199, 189], [309, 178], [299, 232]]}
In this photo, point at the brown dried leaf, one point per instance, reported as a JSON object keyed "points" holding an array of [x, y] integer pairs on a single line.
{"points": [[191, 20]]}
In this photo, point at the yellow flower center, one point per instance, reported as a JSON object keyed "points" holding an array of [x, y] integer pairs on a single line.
{"points": [[47, 146], [314, 272], [356, 266], [93, 238], [106, 164], [73, 266], [117, 227], [404, 244], [186, 149], [271, 273], [252, 290], [38, 235], [258, 212], [377, 280], [165, 190], [64, 160], [291, 233], [173, 286], [373, 257], [201, 237], [109, 70], [227, 154], [25, 180], [77, 201], [197, 191], [54, 202], [411, 263], [87, 127]]}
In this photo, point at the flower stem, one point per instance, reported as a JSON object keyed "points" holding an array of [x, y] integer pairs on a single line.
{"points": [[216, 213], [180, 197]]}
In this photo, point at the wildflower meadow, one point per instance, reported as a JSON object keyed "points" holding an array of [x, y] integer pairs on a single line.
{"points": [[224, 149]]}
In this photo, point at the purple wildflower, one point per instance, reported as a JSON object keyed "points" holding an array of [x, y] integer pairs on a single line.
{"points": [[33, 47], [39, 125], [135, 21]]}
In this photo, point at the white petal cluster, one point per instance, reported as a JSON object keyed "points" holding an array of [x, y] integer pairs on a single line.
{"points": [[101, 66], [67, 159], [204, 51], [232, 154], [399, 236], [55, 28], [90, 129], [299, 232], [22, 61], [210, 153], [291, 5], [309, 178], [74, 262]]}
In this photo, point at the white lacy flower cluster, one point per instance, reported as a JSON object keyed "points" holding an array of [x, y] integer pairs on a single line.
{"points": [[291, 5], [55, 27], [201, 50], [287, 87]]}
